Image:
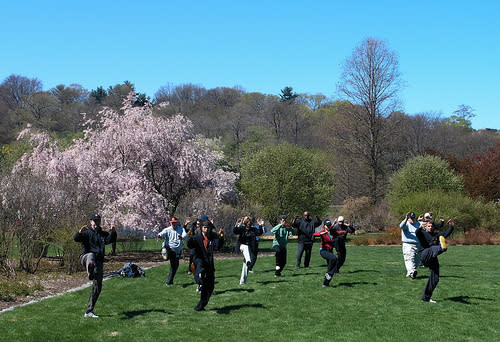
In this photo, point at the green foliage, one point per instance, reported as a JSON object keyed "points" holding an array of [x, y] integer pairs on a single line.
{"points": [[424, 173], [371, 293], [286, 179], [468, 213], [10, 153]]}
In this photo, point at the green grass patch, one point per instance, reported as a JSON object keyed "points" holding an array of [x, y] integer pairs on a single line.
{"points": [[370, 300]]}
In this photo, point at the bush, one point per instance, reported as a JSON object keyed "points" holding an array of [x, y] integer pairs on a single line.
{"points": [[11, 289], [424, 173], [468, 213], [366, 215], [477, 237]]}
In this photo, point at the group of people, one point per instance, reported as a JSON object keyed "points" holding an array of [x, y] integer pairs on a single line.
{"points": [[423, 240]]}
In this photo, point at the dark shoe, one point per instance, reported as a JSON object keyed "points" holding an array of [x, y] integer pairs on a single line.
{"points": [[169, 284], [414, 274], [91, 270], [199, 308]]}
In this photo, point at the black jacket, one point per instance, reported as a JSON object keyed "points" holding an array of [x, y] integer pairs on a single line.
{"points": [[247, 235], [93, 241], [431, 239], [205, 256], [306, 228]]}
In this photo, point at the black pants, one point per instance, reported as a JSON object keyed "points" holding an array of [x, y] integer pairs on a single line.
{"points": [[280, 259], [332, 263], [429, 258], [304, 247], [254, 248], [174, 265], [341, 253], [205, 277], [97, 282]]}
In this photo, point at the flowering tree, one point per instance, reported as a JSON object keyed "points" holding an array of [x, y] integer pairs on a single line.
{"points": [[135, 165]]}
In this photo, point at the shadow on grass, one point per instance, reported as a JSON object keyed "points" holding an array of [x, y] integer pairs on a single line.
{"points": [[363, 271], [355, 284], [271, 282], [466, 299], [132, 314], [303, 274], [234, 290], [226, 310]]}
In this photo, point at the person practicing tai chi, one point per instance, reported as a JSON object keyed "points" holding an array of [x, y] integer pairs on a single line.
{"points": [[203, 245], [433, 244], [411, 244], [327, 236], [281, 233], [93, 240], [173, 235]]}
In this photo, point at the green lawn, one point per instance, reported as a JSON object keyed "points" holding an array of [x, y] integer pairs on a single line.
{"points": [[370, 300]]}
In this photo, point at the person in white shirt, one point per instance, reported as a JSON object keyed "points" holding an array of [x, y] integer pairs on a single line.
{"points": [[411, 244], [173, 235]]}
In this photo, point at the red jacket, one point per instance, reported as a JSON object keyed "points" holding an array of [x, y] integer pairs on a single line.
{"points": [[327, 239]]}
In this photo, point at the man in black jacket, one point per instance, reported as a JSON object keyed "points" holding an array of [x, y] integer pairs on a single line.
{"points": [[341, 229], [305, 230], [93, 239], [204, 245], [433, 244]]}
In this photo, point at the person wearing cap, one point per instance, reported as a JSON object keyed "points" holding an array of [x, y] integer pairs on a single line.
{"points": [[341, 229], [305, 229], [173, 235], [93, 240], [204, 244], [411, 244], [327, 236], [433, 243], [281, 233]]}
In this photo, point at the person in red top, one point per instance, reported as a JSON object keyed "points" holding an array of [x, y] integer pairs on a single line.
{"points": [[327, 236]]}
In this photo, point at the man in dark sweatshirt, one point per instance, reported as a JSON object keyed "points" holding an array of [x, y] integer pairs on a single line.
{"points": [[433, 243], [93, 239], [305, 230]]}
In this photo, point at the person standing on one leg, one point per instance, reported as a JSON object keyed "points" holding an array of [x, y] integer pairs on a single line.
{"points": [[341, 230], [93, 240], [173, 236], [327, 236], [305, 230], [255, 248], [246, 238], [411, 245], [204, 244], [433, 244], [281, 233]]}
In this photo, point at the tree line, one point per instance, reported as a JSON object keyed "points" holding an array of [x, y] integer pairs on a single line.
{"points": [[260, 153]]}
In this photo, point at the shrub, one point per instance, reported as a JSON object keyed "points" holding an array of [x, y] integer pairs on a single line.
{"points": [[477, 237], [468, 213], [11, 289], [424, 173], [366, 215]]}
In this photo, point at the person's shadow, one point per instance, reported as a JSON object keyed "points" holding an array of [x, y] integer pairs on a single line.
{"points": [[234, 290], [466, 299], [226, 310], [135, 313]]}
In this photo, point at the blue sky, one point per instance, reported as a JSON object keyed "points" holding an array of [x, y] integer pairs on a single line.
{"points": [[448, 50]]}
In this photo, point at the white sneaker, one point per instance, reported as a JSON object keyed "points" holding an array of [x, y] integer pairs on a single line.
{"points": [[90, 314]]}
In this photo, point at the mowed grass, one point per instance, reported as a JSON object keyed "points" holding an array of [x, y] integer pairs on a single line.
{"points": [[370, 300]]}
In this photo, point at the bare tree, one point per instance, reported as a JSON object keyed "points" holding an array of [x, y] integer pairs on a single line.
{"points": [[371, 81]]}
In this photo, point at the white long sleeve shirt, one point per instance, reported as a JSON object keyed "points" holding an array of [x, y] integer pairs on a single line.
{"points": [[171, 237]]}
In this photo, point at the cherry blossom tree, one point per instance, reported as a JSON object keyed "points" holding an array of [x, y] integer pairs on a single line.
{"points": [[136, 166]]}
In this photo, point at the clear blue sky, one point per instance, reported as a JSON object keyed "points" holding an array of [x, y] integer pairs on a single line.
{"points": [[448, 50]]}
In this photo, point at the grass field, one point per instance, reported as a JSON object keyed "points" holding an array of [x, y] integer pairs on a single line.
{"points": [[370, 300]]}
